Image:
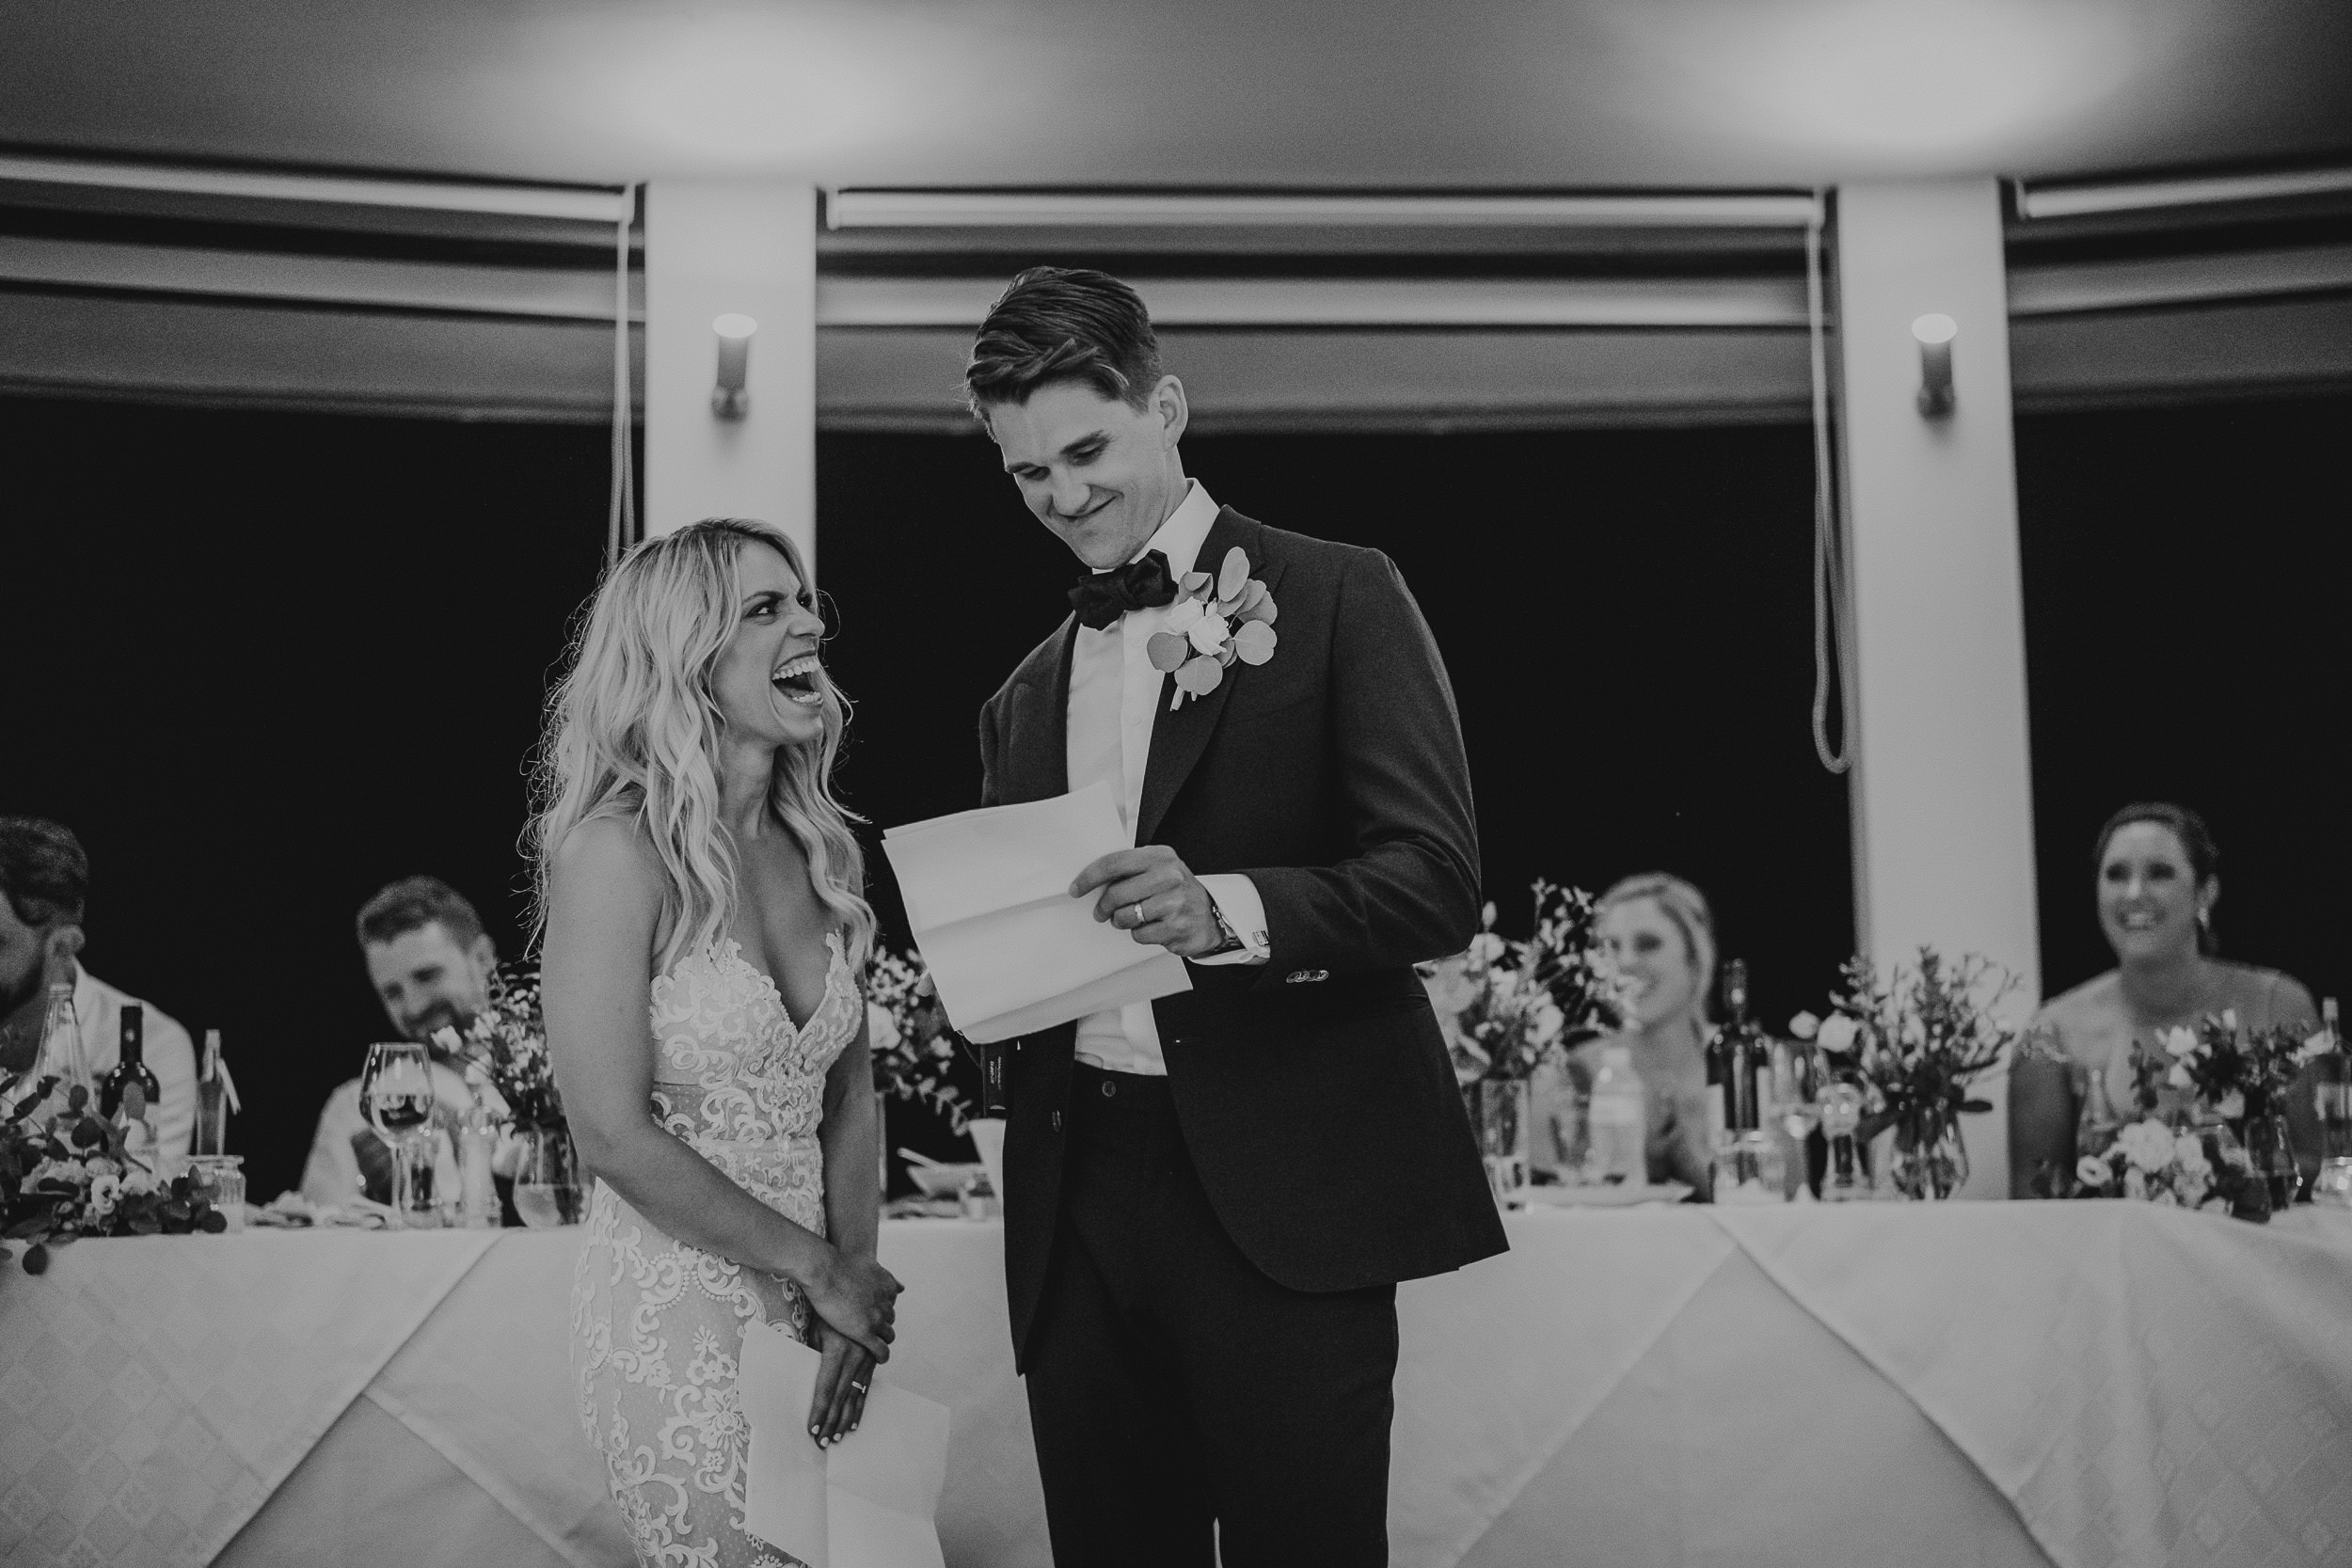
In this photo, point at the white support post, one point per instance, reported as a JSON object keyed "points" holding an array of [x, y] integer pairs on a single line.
{"points": [[714, 249], [1943, 804]]}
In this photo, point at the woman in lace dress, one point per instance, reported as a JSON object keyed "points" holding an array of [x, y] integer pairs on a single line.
{"points": [[703, 935]]}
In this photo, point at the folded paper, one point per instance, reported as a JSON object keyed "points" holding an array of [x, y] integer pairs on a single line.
{"points": [[866, 1502], [987, 896]]}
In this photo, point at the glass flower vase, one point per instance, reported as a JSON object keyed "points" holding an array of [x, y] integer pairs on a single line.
{"points": [[548, 1187], [1500, 1117], [2262, 1132], [1930, 1158]]}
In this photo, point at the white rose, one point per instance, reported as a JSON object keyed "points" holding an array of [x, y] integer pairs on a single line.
{"points": [[2179, 1042], [1208, 633], [58, 1170], [2148, 1144], [1184, 614], [2229, 1019], [2233, 1106], [2188, 1149], [882, 1030], [2135, 1186], [2178, 1077], [102, 1166], [1836, 1034], [2091, 1171], [1485, 948], [1804, 1026]]}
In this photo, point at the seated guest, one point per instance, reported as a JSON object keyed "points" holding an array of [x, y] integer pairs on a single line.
{"points": [[431, 964], [1661, 933], [45, 877], [2159, 875]]}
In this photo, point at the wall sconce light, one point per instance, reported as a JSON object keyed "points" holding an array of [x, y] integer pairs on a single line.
{"points": [[728, 399], [1935, 334]]}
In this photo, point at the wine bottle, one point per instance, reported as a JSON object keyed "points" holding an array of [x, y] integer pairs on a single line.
{"points": [[1747, 1057], [129, 1096], [212, 1100]]}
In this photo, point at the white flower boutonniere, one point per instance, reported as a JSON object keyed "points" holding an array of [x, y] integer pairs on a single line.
{"points": [[1211, 624]]}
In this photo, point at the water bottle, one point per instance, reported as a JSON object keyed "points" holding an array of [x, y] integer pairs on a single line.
{"points": [[1618, 1118]]}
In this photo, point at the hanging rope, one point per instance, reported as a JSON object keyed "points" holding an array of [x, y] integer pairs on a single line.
{"points": [[1832, 607], [620, 529]]}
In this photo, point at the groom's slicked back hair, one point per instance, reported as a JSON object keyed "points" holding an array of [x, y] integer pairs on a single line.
{"points": [[1063, 324]]}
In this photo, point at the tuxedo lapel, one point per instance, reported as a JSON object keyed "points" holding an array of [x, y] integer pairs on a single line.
{"points": [[1179, 737], [1036, 752]]}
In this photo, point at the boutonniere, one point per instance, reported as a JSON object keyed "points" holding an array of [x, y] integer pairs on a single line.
{"points": [[1211, 624]]}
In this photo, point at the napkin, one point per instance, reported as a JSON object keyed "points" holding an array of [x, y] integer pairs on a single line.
{"points": [[866, 1503], [987, 896]]}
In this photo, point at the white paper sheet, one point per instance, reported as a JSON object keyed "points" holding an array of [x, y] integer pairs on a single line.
{"points": [[987, 893], [866, 1502]]}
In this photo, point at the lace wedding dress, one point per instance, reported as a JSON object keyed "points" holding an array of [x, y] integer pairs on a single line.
{"points": [[657, 1324]]}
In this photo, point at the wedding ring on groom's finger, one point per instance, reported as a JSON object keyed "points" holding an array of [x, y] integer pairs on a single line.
{"points": [[1135, 914]]}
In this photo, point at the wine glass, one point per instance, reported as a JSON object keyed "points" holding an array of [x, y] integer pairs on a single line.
{"points": [[396, 1095]]}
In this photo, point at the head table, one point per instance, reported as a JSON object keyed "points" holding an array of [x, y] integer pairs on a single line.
{"points": [[2083, 1383]]}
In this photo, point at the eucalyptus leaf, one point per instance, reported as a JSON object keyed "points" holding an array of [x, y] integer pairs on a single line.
{"points": [[1256, 634], [1195, 582], [1262, 611], [1235, 572], [1166, 650], [1200, 677]]}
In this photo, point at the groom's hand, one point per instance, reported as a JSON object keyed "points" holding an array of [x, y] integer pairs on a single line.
{"points": [[1150, 894]]}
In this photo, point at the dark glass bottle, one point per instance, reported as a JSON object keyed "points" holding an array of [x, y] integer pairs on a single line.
{"points": [[1746, 1054], [129, 1096]]}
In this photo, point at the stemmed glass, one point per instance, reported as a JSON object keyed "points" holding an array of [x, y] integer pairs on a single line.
{"points": [[396, 1094]]}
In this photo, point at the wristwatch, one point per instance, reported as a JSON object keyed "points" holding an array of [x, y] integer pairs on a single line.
{"points": [[1231, 942]]}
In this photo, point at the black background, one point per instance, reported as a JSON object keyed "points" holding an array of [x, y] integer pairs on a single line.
{"points": [[263, 663]]}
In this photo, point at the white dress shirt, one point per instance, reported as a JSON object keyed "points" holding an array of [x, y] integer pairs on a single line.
{"points": [[1114, 695], [170, 1055]]}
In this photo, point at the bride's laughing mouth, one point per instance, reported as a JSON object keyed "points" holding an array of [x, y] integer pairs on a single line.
{"points": [[799, 681]]}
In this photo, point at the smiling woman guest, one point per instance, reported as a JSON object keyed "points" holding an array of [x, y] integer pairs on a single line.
{"points": [[2158, 879], [1662, 935], [705, 929]]}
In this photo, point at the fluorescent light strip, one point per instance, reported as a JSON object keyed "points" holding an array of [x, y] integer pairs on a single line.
{"points": [[876, 209], [2066, 202], [1261, 303], [587, 206]]}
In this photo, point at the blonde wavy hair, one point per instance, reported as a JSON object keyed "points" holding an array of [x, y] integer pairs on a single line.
{"points": [[632, 733], [1686, 907]]}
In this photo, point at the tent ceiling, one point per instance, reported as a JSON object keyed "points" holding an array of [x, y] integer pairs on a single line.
{"points": [[1325, 93]]}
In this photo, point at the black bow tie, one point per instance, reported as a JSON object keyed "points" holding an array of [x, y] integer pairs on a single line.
{"points": [[1105, 596]]}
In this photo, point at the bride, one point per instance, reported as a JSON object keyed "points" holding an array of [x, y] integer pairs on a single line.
{"points": [[703, 927]]}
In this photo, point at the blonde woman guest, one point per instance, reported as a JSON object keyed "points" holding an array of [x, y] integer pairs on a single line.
{"points": [[2158, 879], [1662, 935], [704, 931]]}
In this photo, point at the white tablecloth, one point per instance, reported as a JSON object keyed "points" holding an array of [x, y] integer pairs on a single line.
{"points": [[2004, 1384]]}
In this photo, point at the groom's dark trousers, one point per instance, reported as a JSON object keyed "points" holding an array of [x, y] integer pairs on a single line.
{"points": [[1201, 1268]]}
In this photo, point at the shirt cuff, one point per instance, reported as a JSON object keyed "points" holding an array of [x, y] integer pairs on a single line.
{"points": [[1236, 898]]}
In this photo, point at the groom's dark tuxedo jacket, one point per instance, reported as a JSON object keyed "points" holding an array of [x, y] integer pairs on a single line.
{"points": [[1314, 1094]]}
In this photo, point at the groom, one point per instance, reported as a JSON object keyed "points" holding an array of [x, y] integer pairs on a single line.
{"points": [[1210, 1199]]}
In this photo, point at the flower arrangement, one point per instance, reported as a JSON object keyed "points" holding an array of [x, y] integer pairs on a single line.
{"points": [[911, 1042], [1505, 1006], [2226, 1068], [505, 1050], [67, 1175], [2152, 1163], [1915, 1041], [1210, 625]]}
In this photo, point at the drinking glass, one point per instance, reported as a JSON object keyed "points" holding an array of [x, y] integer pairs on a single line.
{"points": [[396, 1095], [2333, 1093]]}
